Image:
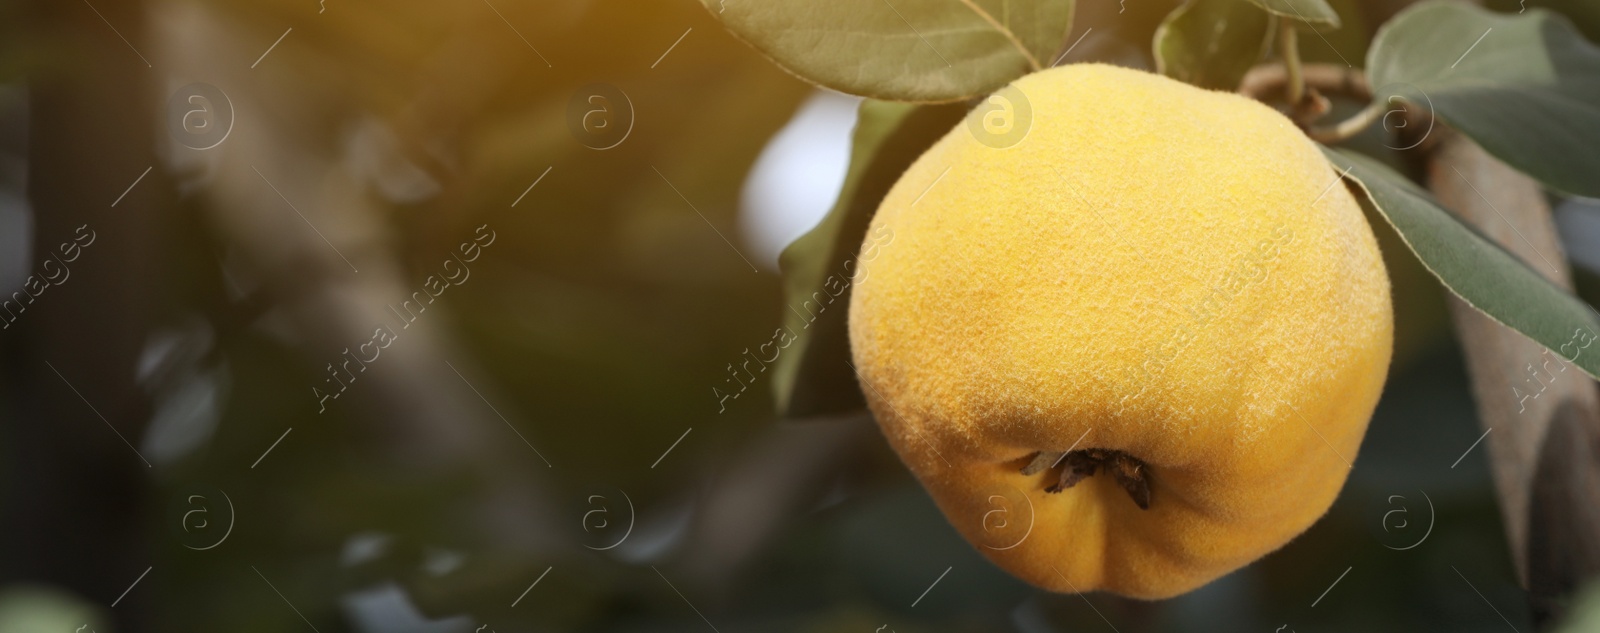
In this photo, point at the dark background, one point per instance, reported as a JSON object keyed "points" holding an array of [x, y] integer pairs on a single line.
{"points": [[525, 419]]}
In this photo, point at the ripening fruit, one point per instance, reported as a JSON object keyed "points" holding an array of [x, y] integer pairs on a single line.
{"points": [[1134, 351]]}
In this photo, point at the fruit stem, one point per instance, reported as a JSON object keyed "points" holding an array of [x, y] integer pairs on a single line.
{"points": [[1348, 127], [1289, 49]]}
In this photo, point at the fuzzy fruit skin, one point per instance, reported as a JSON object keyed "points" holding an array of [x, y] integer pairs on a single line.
{"points": [[1155, 268]]}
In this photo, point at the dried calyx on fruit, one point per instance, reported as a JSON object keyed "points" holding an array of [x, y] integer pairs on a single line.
{"points": [[1079, 465]]}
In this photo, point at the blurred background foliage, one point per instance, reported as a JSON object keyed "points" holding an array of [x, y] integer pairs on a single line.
{"points": [[596, 326]]}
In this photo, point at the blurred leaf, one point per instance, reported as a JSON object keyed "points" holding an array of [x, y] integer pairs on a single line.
{"points": [[1583, 13], [1584, 614], [26, 607], [1211, 43], [1476, 269], [1345, 45], [812, 377], [903, 50], [1526, 88], [1303, 10]]}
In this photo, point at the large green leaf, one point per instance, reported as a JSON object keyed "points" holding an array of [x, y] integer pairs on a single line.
{"points": [[1303, 10], [812, 377], [1584, 13], [1212, 43], [1525, 87], [1476, 269], [903, 50]]}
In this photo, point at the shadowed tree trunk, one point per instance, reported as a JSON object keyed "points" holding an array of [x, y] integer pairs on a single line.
{"points": [[1543, 435], [77, 488]]}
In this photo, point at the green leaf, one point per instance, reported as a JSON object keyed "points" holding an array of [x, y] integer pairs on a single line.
{"points": [[1488, 278], [1303, 10], [1584, 612], [1583, 13], [1525, 87], [812, 376], [903, 50], [1212, 43]]}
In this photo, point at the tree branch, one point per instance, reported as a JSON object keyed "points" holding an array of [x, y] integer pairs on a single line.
{"points": [[1268, 81], [1544, 448]]}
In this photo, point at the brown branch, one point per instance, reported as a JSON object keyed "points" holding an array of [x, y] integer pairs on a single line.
{"points": [[1270, 81], [1544, 448]]}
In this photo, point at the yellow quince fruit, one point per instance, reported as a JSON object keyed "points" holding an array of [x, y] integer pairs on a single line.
{"points": [[1134, 350]]}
